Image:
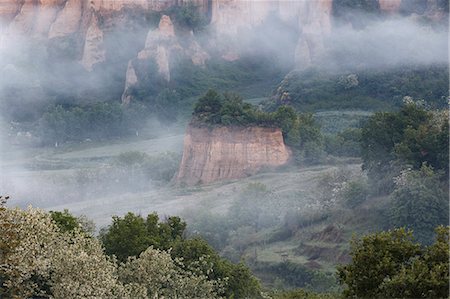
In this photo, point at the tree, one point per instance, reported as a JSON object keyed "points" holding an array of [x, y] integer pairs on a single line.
{"points": [[426, 276], [420, 202], [155, 274], [302, 294], [285, 117], [393, 141], [238, 281], [132, 234], [305, 138], [391, 265], [208, 107], [126, 236], [42, 261], [37, 259], [66, 222]]}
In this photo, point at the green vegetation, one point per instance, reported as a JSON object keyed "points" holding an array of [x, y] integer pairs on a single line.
{"points": [[393, 141], [303, 294], [161, 167], [405, 154], [391, 265], [371, 89], [37, 256], [228, 110], [97, 121], [420, 202], [66, 222], [39, 260], [344, 143], [302, 134], [300, 131], [188, 16], [131, 235], [355, 192]]}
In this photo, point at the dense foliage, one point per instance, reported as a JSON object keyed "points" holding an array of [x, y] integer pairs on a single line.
{"points": [[66, 222], [344, 143], [228, 109], [405, 154], [370, 89], [98, 121], [38, 252], [303, 294], [129, 236], [391, 265], [420, 202], [392, 141], [39, 260]]}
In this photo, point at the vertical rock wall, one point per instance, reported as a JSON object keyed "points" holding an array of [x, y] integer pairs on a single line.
{"points": [[225, 153]]}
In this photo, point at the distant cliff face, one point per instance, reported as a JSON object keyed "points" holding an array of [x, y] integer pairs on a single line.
{"points": [[61, 18], [224, 153], [161, 44]]}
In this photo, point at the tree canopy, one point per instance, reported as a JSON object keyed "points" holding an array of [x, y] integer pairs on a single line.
{"points": [[129, 236], [392, 141], [391, 265]]}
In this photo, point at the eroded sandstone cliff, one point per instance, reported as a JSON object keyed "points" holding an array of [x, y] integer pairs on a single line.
{"points": [[229, 19], [161, 45], [61, 18], [223, 153]]}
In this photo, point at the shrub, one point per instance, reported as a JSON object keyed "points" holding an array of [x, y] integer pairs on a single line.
{"points": [[355, 192], [160, 167]]}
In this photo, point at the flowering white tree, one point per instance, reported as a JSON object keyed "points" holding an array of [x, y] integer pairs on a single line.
{"points": [[37, 259], [163, 277]]}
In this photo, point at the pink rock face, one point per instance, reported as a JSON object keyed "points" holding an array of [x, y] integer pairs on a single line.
{"points": [[312, 18], [314, 27], [225, 153], [118, 4], [166, 27], [93, 46], [68, 20], [23, 21], [8, 9], [390, 6]]}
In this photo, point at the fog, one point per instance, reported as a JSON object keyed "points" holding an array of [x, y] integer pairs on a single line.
{"points": [[387, 43], [83, 174]]}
